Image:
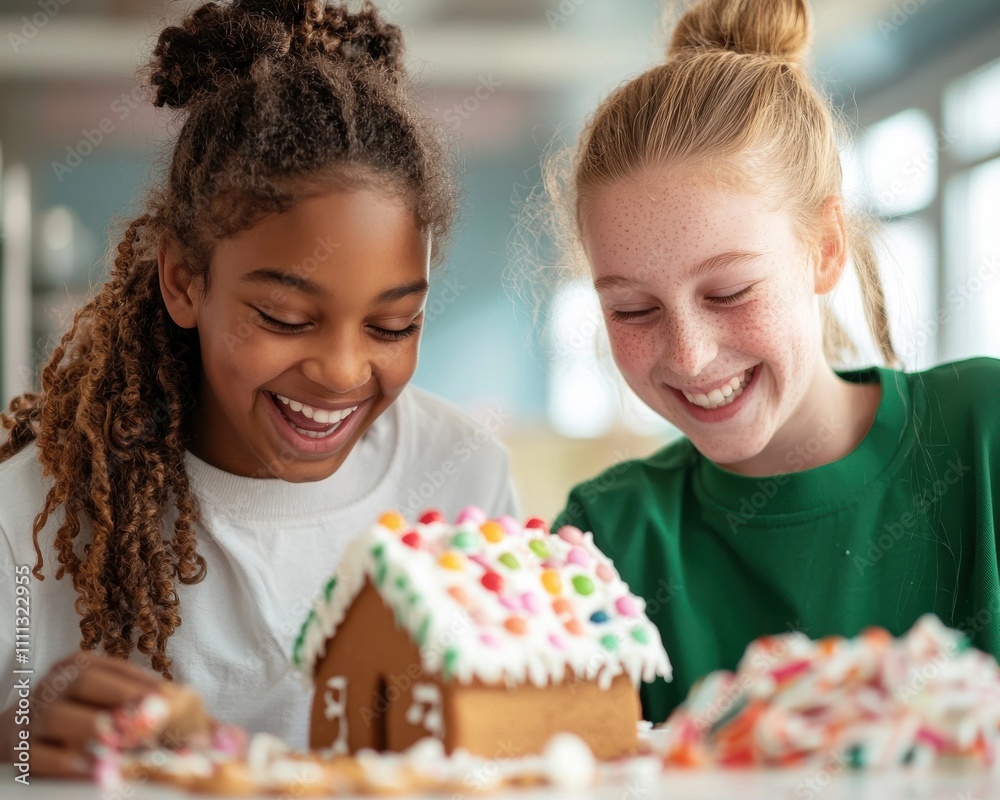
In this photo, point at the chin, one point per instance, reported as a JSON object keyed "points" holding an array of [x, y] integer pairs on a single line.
{"points": [[725, 453]]}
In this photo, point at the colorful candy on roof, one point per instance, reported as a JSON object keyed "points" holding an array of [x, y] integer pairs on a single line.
{"points": [[495, 600]]}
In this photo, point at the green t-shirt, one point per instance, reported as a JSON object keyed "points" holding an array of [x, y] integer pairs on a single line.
{"points": [[901, 526]]}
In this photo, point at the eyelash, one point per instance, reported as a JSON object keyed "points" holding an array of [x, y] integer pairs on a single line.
{"points": [[732, 298], [632, 316], [384, 333]]}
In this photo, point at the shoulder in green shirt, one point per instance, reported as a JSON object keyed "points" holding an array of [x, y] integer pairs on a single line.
{"points": [[901, 526]]}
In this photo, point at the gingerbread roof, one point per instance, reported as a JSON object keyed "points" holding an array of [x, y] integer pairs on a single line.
{"points": [[494, 600]]}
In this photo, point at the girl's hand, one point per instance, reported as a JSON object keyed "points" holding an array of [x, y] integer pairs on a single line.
{"points": [[72, 707]]}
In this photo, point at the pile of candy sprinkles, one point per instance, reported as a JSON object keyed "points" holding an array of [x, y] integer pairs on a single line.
{"points": [[495, 600], [873, 701]]}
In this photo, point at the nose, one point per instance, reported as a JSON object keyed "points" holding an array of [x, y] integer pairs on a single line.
{"points": [[340, 366], [690, 345]]}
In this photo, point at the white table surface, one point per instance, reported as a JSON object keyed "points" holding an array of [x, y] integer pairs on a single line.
{"points": [[672, 785]]}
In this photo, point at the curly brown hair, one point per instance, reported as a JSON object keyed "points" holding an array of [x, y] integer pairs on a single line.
{"points": [[282, 99]]}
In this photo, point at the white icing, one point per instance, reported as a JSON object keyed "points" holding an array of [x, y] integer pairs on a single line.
{"points": [[264, 748], [416, 587], [426, 709], [569, 763], [292, 773], [335, 708]]}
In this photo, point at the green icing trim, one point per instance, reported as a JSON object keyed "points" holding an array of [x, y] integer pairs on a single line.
{"points": [[401, 582], [378, 551], [301, 639], [450, 662], [423, 630], [328, 589], [380, 573]]}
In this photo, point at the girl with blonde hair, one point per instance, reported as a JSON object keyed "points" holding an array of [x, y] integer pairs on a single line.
{"points": [[707, 199]]}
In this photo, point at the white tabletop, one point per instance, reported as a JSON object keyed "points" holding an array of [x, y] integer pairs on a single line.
{"points": [[672, 785]]}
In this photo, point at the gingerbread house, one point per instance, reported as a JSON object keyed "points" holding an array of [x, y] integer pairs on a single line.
{"points": [[486, 634]]}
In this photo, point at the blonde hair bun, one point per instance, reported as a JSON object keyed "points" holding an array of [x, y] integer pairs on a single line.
{"points": [[755, 27]]}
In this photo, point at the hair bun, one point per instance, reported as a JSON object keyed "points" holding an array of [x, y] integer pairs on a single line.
{"points": [[361, 36], [219, 42], [214, 43], [763, 27]]}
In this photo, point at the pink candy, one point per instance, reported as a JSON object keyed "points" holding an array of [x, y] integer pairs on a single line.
{"points": [[605, 573], [481, 560], [509, 524], [473, 514], [531, 602], [510, 602], [556, 642], [489, 639], [627, 606], [578, 556], [571, 534]]}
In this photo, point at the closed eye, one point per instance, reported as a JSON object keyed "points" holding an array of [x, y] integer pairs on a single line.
{"points": [[277, 324], [632, 316], [730, 299], [395, 336]]}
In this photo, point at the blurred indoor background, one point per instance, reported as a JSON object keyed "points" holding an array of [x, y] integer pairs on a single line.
{"points": [[918, 79]]}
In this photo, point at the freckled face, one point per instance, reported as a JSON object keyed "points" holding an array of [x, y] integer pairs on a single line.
{"points": [[710, 305], [315, 311]]}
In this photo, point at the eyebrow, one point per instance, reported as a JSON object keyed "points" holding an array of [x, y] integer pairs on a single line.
{"points": [[293, 281], [289, 279], [709, 265], [399, 292]]}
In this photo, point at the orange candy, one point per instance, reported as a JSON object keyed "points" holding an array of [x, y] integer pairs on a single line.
{"points": [[492, 531], [551, 581], [392, 520], [573, 626], [459, 595], [516, 625], [451, 560], [562, 606]]}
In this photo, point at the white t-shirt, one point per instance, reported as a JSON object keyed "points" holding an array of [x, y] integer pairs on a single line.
{"points": [[269, 547]]}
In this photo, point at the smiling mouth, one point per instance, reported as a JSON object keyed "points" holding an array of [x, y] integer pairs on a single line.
{"points": [[314, 423], [724, 395]]}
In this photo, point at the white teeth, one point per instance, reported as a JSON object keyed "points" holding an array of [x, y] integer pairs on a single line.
{"points": [[320, 415], [724, 395]]}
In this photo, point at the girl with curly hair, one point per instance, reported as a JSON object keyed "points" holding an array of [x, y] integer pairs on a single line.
{"points": [[231, 407]]}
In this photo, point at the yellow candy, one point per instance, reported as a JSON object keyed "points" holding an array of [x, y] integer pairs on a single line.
{"points": [[392, 520], [492, 531], [551, 581], [451, 560]]}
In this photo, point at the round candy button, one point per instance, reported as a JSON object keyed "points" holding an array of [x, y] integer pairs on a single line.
{"points": [[412, 539], [492, 581], [473, 514], [492, 531], [431, 515], [392, 520], [570, 534]]}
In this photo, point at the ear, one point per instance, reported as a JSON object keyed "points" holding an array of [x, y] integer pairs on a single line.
{"points": [[833, 246], [179, 286]]}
